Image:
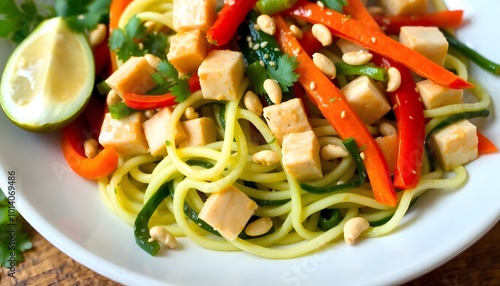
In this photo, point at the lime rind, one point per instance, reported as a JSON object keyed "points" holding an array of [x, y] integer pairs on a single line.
{"points": [[48, 79]]}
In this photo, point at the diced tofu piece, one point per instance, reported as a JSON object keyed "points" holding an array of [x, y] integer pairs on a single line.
{"points": [[194, 14], [187, 50], [199, 131], [228, 211], [347, 46], [428, 41], [301, 156], [367, 99], [133, 76], [389, 147], [125, 135], [433, 95], [455, 144], [156, 134], [221, 73], [286, 118], [404, 7]]}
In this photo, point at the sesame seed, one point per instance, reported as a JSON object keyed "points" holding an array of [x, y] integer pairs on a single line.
{"points": [[411, 117], [329, 13], [248, 38], [250, 45], [342, 114], [321, 5], [312, 85], [264, 44], [276, 49], [272, 63], [256, 47], [413, 172], [373, 39], [266, 56], [362, 155], [261, 62], [340, 182]]}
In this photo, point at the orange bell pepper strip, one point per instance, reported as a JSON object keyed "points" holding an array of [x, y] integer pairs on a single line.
{"points": [[309, 43], [228, 20], [442, 19], [116, 9], [408, 109], [345, 26], [334, 106], [73, 136], [484, 145]]}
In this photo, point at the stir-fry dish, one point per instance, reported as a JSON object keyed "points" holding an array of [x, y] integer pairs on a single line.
{"points": [[273, 126]]}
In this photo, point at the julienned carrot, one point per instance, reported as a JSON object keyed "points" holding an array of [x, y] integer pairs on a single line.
{"points": [[441, 19], [346, 27], [229, 18], [334, 106], [409, 111], [485, 145]]}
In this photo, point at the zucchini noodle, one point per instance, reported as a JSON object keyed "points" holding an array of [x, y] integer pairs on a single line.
{"points": [[197, 172]]}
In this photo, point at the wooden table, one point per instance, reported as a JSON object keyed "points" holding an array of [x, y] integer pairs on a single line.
{"points": [[46, 265]]}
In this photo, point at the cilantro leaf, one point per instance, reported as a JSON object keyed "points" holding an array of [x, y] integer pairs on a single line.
{"points": [[157, 44], [11, 224], [83, 15], [167, 77], [18, 21], [181, 90], [337, 5], [168, 70], [283, 72]]}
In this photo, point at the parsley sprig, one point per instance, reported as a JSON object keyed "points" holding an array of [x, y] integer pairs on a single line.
{"points": [[167, 77], [282, 72], [11, 224], [134, 40]]}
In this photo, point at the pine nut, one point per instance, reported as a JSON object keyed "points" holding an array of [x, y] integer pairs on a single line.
{"points": [[322, 34], [387, 129], [97, 36], [296, 32], [273, 90], [331, 151], [353, 228], [325, 65], [112, 98], [259, 226], [252, 103], [190, 113], [90, 147], [265, 157], [357, 58], [266, 24], [394, 79]]}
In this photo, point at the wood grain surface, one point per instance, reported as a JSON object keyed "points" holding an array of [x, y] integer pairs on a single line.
{"points": [[46, 265]]}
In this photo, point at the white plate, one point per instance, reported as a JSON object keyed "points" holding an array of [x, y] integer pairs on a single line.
{"points": [[68, 211]]}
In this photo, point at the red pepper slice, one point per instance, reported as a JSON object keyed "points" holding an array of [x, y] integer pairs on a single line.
{"points": [[229, 18], [485, 145], [309, 43], [373, 39], [442, 19], [336, 109], [409, 111], [147, 102], [73, 137]]}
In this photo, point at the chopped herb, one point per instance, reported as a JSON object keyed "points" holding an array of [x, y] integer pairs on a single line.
{"points": [[83, 15], [167, 76], [337, 5], [168, 143], [283, 72]]}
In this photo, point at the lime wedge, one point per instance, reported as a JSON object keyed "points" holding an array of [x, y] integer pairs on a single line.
{"points": [[48, 79]]}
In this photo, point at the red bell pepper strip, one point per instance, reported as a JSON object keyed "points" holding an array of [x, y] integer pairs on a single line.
{"points": [[229, 18], [346, 27], [309, 43], [408, 110], [485, 145], [73, 137], [336, 109], [148, 101], [442, 19], [116, 9]]}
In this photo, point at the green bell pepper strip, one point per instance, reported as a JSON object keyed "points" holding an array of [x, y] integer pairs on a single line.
{"points": [[373, 72], [471, 54], [120, 110], [352, 148], [271, 7]]}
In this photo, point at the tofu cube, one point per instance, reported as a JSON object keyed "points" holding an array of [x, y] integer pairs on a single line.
{"points": [[301, 157], [287, 117], [156, 134], [199, 131], [433, 95], [187, 50], [221, 73], [455, 144], [194, 14], [125, 135], [404, 7], [428, 41], [228, 211], [347, 46], [135, 76], [367, 99]]}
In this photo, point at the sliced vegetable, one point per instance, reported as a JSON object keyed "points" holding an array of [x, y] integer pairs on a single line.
{"points": [[374, 72], [228, 20], [329, 218], [141, 223], [474, 56], [346, 27], [485, 145], [271, 7], [309, 43], [115, 11], [120, 110], [336, 109], [442, 19]]}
